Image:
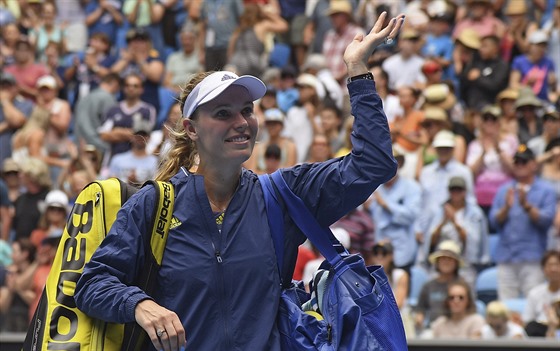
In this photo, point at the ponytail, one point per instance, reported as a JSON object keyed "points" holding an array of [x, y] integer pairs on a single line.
{"points": [[183, 150]]}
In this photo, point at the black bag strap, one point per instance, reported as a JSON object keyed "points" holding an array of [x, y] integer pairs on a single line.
{"points": [[154, 244]]}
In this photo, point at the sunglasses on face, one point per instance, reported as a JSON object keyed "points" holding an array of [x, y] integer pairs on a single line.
{"points": [[456, 297], [132, 85], [455, 189], [380, 252], [489, 118], [520, 162]]}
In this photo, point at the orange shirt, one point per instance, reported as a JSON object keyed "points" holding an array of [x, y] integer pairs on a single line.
{"points": [[408, 125]]}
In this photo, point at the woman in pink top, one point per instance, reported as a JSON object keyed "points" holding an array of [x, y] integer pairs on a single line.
{"points": [[490, 157]]}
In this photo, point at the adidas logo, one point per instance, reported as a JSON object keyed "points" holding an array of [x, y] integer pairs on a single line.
{"points": [[174, 223], [227, 77]]}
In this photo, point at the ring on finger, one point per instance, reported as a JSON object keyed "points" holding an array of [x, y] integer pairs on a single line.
{"points": [[388, 41], [160, 332]]}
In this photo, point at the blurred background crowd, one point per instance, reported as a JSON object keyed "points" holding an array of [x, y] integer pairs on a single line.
{"points": [[468, 230]]}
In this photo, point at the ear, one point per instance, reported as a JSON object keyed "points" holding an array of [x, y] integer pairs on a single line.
{"points": [[190, 129]]}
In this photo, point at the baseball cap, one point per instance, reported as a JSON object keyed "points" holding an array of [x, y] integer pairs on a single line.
{"points": [[53, 238], [430, 67], [9, 78], [444, 138], [47, 82], [457, 182], [274, 115], [54, 198], [551, 115], [491, 110], [9, 165], [137, 33], [306, 79], [143, 126], [215, 84], [524, 153], [538, 37]]}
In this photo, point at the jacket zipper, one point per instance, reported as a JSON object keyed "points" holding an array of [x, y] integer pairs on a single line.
{"points": [[222, 297]]}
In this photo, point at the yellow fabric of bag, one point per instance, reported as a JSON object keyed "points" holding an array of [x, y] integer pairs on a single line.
{"points": [[57, 323]]}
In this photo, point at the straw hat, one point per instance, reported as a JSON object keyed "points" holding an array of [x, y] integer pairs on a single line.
{"points": [[433, 113], [515, 7], [439, 95], [447, 248], [509, 93], [469, 38], [339, 6], [444, 138], [492, 110], [527, 98]]}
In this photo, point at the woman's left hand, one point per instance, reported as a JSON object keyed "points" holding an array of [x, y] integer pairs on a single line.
{"points": [[162, 325], [360, 49]]}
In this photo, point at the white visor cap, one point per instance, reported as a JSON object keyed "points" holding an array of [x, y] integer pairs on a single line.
{"points": [[215, 84]]}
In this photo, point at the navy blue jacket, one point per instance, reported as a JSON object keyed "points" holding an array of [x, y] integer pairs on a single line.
{"points": [[230, 302]]}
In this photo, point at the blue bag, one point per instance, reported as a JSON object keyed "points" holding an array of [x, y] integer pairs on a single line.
{"points": [[358, 309]]}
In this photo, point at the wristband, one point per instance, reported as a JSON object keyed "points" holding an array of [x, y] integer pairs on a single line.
{"points": [[368, 76]]}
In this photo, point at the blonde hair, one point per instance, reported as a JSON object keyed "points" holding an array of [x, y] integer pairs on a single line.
{"points": [[38, 171], [497, 309], [183, 150]]}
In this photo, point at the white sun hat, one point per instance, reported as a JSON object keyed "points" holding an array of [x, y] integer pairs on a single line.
{"points": [[215, 84]]}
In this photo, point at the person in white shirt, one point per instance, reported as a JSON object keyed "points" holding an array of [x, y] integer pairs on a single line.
{"points": [[405, 68], [498, 325]]}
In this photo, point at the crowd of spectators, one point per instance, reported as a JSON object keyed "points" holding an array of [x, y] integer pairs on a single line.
{"points": [[470, 89]]}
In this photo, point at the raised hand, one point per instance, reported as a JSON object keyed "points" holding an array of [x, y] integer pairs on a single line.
{"points": [[360, 49]]}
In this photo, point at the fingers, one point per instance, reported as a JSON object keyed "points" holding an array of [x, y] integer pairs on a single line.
{"points": [[397, 24], [379, 23]]}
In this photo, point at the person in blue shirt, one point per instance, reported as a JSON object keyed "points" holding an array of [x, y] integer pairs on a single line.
{"points": [[522, 212], [396, 206], [218, 287]]}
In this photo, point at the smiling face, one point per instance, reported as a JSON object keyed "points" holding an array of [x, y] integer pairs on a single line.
{"points": [[225, 128]]}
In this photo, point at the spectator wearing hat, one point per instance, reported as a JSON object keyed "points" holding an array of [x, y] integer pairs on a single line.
{"points": [[300, 123], [405, 129], [463, 222], [103, 16], [480, 18], [435, 120], [10, 175], [37, 183], [274, 123], [218, 20], [57, 145], [141, 59], [522, 213], [550, 131], [460, 319], [529, 123], [14, 111], [10, 35], [92, 109], [394, 208], [484, 76], [382, 254], [117, 130], [442, 95], [316, 64], [467, 44], [438, 45], [446, 261], [534, 69], [54, 210], [499, 324], [87, 69], [434, 179], [183, 63], [506, 102], [25, 70], [550, 162], [519, 27], [336, 39], [135, 166], [544, 299], [433, 72], [405, 67], [490, 157]]}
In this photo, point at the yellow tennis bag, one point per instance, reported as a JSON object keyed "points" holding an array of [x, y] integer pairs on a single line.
{"points": [[57, 323]]}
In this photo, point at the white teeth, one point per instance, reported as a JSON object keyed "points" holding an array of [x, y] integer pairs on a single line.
{"points": [[244, 138]]}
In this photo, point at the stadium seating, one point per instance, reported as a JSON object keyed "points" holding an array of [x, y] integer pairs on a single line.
{"points": [[486, 285]]}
